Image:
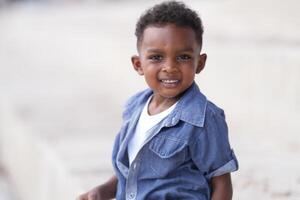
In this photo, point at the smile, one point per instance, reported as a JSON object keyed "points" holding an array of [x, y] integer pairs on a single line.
{"points": [[170, 81]]}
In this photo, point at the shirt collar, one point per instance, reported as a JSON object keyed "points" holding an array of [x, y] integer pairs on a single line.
{"points": [[191, 107]]}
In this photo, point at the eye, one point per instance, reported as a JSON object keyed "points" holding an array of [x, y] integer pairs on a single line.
{"points": [[155, 58], [184, 57]]}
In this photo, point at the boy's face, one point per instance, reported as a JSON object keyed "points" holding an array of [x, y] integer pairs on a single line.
{"points": [[169, 57]]}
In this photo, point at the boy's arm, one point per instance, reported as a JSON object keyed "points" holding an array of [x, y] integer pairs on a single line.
{"points": [[102, 192], [221, 187]]}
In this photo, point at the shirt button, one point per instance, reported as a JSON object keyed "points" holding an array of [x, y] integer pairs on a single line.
{"points": [[173, 120], [131, 195]]}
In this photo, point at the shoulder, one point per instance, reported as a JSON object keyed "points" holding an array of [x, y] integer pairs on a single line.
{"points": [[213, 111], [135, 101], [214, 133], [215, 125]]}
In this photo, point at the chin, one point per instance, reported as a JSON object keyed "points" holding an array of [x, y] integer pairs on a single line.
{"points": [[171, 96]]}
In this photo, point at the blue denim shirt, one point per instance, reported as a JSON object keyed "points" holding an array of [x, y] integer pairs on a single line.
{"points": [[183, 153]]}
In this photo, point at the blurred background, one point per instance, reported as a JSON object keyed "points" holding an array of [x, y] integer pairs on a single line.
{"points": [[65, 74]]}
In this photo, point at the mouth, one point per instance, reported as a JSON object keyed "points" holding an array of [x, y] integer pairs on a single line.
{"points": [[170, 83]]}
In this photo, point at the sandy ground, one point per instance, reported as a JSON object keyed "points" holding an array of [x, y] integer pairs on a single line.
{"points": [[66, 70]]}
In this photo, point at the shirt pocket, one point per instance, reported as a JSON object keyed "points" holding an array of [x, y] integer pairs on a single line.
{"points": [[164, 156]]}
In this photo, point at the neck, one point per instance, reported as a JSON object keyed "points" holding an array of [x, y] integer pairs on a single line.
{"points": [[158, 104]]}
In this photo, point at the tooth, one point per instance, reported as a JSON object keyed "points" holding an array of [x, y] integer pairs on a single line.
{"points": [[170, 81]]}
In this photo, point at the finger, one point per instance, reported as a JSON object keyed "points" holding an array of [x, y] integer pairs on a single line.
{"points": [[82, 197], [92, 196]]}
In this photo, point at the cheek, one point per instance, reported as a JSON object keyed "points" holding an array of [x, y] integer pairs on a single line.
{"points": [[150, 74], [189, 69], [152, 70], [189, 74]]}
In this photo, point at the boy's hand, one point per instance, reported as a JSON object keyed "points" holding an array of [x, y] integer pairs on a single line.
{"points": [[102, 192], [93, 194]]}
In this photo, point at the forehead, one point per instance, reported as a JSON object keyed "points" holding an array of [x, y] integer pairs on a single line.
{"points": [[167, 36]]}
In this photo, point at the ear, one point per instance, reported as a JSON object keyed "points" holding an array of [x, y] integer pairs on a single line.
{"points": [[136, 63], [201, 63]]}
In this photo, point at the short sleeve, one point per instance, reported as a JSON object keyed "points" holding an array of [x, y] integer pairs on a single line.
{"points": [[211, 151], [116, 147]]}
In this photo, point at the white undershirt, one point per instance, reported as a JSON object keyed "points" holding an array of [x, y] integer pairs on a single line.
{"points": [[145, 123]]}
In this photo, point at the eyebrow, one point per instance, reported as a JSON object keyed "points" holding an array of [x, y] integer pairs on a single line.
{"points": [[153, 50], [188, 49]]}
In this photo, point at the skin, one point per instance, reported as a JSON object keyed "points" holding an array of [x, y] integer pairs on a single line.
{"points": [[168, 58], [221, 187], [163, 58], [102, 192]]}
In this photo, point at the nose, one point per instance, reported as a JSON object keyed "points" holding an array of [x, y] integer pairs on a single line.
{"points": [[170, 66]]}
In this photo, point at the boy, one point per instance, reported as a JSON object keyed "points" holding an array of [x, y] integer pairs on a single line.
{"points": [[173, 143]]}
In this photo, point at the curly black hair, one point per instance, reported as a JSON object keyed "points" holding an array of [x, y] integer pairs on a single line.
{"points": [[170, 12]]}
